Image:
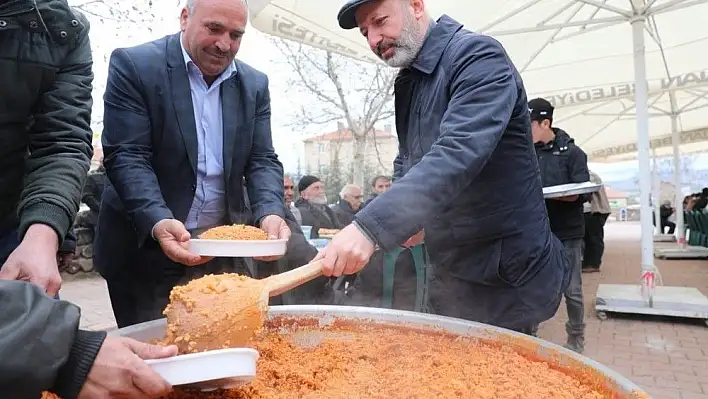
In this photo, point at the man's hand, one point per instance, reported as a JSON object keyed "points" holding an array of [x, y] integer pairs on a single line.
{"points": [[174, 241], [120, 372], [277, 229], [417, 239], [347, 253], [35, 260]]}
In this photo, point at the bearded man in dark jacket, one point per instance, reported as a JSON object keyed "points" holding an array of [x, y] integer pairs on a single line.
{"points": [[465, 160]]}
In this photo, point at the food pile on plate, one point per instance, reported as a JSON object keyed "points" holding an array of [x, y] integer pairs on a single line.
{"points": [[234, 232], [328, 233]]}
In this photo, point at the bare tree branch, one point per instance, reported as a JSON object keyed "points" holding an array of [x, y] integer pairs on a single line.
{"points": [[334, 88]]}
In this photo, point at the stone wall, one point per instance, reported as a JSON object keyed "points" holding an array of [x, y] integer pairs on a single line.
{"points": [[83, 256]]}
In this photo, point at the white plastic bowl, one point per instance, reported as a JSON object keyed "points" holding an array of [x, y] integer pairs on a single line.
{"points": [[238, 249], [225, 368]]}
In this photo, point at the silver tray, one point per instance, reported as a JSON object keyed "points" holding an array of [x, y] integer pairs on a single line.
{"points": [[564, 190], [155, 330]]}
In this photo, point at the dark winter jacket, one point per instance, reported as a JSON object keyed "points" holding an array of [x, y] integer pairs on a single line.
{"points": [[563, 162]]}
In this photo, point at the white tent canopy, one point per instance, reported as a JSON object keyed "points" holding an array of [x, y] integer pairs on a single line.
{"points": [[576, 53]]}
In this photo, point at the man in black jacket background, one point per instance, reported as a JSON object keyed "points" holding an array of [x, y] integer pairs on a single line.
{"points": [[45, 152], [563, 162]]}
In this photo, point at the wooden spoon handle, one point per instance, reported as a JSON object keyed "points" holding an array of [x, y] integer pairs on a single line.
{"points": [[279, 283]]}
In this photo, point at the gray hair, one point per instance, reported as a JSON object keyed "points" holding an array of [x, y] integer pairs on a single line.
{"points": [[191, 5], [347, 189]]}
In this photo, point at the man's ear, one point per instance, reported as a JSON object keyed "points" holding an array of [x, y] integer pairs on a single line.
{"points": [[546, 123]]}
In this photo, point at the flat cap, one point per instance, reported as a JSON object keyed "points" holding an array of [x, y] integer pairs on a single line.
{"points": [[346, 15]]}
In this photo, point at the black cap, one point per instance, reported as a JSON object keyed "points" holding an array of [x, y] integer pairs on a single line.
{"points": [[305, 182], [540, 109], [346, 15]]}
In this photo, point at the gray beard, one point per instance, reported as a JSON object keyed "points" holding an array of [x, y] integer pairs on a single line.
{"points": [[321, 200], [408, 45]]}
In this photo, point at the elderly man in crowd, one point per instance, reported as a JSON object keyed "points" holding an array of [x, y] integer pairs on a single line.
{"points": [[178, 153], [313, 206], [349, 203]]}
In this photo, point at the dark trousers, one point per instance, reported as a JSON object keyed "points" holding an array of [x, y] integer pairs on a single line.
{"points": [[575, 326], [665, 223], [9, 240], [139, 297], [594, 240]]}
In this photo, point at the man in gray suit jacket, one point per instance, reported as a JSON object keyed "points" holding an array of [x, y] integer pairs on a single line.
{"points": [[186, 127]]}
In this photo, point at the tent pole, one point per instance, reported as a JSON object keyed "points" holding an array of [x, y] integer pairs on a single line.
{"points": [[678, 189], [642, 112], [656, 192]]}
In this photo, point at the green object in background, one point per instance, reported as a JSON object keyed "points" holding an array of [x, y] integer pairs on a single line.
{"points": [[421, 263]]}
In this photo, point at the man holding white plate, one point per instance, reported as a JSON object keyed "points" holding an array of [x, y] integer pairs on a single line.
{"points": [[186, 128]]}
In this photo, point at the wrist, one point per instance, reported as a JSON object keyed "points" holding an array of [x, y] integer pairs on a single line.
{"points": [[365, 232], [43, 234], [154, 227]]}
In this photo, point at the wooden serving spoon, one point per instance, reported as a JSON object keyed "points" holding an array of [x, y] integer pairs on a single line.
{"points": [[226, 311], [283, 282]]}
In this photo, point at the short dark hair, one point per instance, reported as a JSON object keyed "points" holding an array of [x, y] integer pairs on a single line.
{"points": [[379, 177]]}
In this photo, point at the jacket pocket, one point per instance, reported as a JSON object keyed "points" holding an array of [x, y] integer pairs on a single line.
{"points": [[478, 251], [487, 227]]}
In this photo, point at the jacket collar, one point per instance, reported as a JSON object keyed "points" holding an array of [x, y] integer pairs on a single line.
{"points": [[174, 51], [435, 44], [345, 206]]}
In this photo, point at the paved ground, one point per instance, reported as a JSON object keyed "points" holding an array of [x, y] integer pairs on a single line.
{"points": [[668, 357]]}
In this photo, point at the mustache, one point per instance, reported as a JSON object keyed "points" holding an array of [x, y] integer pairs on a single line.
{"points": [[216, 52], [385, 45]]}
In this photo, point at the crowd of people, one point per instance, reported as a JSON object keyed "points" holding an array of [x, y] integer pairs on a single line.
{"points": [[188, 146]]}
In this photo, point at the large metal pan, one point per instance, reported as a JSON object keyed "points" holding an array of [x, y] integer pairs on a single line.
{"points": [[577, 364]]}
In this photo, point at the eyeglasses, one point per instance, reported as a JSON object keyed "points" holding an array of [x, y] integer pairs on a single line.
{"points": [[289, 187]]}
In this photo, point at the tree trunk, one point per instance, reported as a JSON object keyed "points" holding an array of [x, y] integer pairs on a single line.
{"points": [[359, 160]]}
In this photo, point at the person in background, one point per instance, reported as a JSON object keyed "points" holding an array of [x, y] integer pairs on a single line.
{"points": [[563, 162], [379, 185], [179, 151], [597, 210], [466, 172], [349, 203], [91, 196], [290, 197], [45, 136], [665, 212], [701, 200], [313, 206], [45, 152]]}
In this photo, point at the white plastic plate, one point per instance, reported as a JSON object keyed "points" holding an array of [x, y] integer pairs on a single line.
{"points": [[238, 249], [225, 368], [571, 189]]}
